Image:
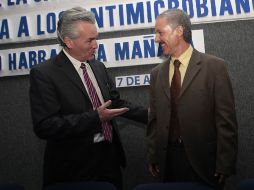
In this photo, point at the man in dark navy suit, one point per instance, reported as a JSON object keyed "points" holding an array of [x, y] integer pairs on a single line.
{"points": [[73, 105]]}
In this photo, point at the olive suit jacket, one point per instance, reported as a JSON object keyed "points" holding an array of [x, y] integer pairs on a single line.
{"points": [[63, 115], [206, 113]]}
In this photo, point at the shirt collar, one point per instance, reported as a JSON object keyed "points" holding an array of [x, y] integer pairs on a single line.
{"points": [[185, 57], [76, 63]]}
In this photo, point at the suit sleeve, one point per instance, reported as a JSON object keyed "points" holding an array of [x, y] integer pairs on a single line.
{"points": [[49, 123], [151, 128], [135, 113], [226, 123]]}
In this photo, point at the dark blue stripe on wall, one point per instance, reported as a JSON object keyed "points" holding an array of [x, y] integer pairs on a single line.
{"points": [[0, 63], [148, 36]]}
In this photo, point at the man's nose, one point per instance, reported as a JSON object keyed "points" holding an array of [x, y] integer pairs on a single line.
{"points": [[157, 38], [95, 44]]}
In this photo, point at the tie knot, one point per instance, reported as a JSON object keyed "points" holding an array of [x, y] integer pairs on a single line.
{"points": [[177, 63], [83, 66]]}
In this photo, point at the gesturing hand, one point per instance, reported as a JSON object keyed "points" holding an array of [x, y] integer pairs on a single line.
{"points": [[153, 169], [106, 114]]}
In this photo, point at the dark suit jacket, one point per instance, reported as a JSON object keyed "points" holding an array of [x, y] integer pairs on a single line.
{"points": [[63, 115], [206, 113]]}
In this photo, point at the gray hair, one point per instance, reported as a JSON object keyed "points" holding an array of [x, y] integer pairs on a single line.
{"points": [[68, 19], [177, 17]]}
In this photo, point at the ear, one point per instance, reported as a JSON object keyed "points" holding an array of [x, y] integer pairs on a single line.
{"points": [[68, 41], [179, 30]]}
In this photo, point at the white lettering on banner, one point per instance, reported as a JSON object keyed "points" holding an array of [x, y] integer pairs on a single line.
{"points": [[31, 22], [132, 80], [115, 52]]}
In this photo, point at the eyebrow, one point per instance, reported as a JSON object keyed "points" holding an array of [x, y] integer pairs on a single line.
{"points": [[94, 38]]}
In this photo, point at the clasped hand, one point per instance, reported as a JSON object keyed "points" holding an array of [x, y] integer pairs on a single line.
{"points": [[106, 114], [220, 178]]}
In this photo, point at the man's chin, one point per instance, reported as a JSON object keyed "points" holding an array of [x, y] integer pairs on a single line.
{"points": [[165, 53], [92, 57]]}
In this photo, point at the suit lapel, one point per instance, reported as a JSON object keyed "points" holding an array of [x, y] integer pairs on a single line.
{"points": [[164, 77], [192, 70], [68, 69]]}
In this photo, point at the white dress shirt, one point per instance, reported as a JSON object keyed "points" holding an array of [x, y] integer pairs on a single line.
{"points": [[99, 136]]}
